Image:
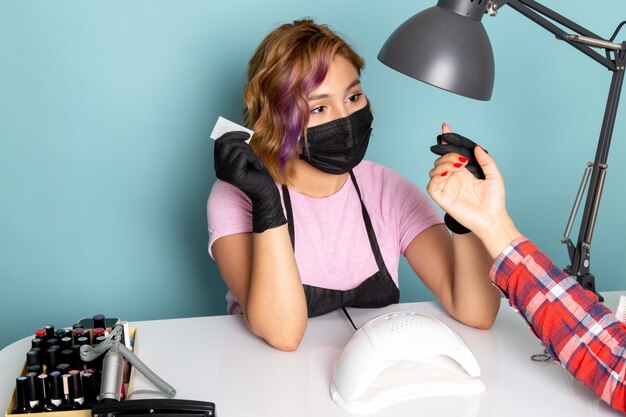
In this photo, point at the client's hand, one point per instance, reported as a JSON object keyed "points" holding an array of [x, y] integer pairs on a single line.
{"points": [[477, 204], [463, 148]]}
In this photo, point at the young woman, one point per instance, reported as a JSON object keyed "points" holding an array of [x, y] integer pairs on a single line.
{"points": [[301, 225]]}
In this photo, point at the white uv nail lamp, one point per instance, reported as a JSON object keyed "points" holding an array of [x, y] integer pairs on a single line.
{"points": [[400, 356]]}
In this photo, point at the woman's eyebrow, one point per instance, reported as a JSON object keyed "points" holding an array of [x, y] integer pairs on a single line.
{"points": [[321, 96], [317, 97], [353, 84]]}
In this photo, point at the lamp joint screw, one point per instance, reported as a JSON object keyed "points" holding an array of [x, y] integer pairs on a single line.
{"points": [[491, 8]]}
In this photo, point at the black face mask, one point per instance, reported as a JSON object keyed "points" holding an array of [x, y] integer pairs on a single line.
{"points": [[338, 146]]}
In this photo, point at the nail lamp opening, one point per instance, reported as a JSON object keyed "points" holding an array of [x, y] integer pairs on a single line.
{"points": [[400, 356]]}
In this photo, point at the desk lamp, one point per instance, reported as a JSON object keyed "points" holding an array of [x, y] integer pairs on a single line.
{"points": [[447, 46]]}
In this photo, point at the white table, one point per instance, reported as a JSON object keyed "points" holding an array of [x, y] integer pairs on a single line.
{"points": [[218, 359]]}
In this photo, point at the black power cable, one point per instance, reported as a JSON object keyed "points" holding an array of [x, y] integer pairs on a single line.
{"points": [[619, 27], [348, 316]]}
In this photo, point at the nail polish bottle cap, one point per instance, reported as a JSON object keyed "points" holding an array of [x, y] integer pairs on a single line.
{"points": [[78, 332], [36, 342], [43, 387], [98, 321], [32, 358], [56, 385], [52, 357], [63, 368], [61, 333], [31, 386], [66, 342], [21, 392], [52, 341], [89, 387], [36, 369], [49, 331], [75, 387]]}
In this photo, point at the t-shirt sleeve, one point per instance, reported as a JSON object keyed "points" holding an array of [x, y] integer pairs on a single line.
{"points": [[413, 209], [229, 212]]}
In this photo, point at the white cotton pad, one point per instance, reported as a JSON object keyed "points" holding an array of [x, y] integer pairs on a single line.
{"points": [[224, 126]]}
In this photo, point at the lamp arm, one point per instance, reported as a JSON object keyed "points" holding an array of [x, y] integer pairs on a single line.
{"points": [[579, 254], [535, 12], [583, 40]]}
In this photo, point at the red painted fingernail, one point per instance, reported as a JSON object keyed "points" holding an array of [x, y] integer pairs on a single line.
{"points": [[443, 174], [457, 165], [463, 159]]}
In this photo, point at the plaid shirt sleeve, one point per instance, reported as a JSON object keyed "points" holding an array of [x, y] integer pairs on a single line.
{"points": [[578, 331]]}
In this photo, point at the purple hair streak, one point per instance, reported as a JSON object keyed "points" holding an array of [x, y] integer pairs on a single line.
{"points": [[293, 108]]}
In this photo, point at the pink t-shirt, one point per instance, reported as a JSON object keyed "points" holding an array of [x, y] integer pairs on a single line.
{"points": [[331, 245]]}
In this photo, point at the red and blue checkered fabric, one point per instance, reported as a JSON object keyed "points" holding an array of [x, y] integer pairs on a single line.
{"points": [[578, 331]]}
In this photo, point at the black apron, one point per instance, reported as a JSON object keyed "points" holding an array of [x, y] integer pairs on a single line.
{"points": [[379, 290]]}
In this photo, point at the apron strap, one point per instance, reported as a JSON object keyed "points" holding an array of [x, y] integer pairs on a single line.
{"points": [[370, 229], [287, 201]]}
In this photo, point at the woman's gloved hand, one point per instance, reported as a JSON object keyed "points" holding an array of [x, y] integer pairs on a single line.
{"points": [[237, 164], [453, 142]]}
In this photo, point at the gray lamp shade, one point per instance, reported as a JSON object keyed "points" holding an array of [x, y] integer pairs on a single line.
{"points": [[444, 48]]}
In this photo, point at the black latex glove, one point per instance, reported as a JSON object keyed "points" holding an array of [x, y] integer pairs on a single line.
{"points": [[237, 164], [463, 146], [453, 142]]}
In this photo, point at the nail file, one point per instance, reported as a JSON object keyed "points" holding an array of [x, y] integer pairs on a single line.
{"points": [[224, 125]]}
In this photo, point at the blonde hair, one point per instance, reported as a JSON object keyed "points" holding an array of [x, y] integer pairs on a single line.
{"points": [[288, 64]]}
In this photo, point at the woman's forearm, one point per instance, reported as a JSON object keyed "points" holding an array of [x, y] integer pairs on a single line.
{"points": [[275, 306], [476, 301]]}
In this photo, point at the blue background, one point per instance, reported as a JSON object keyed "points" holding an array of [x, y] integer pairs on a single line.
{"points": [[106, 164]]}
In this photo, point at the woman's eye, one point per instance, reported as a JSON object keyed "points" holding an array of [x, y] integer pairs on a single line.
{"points": [[319, 109], [354, 97]]}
